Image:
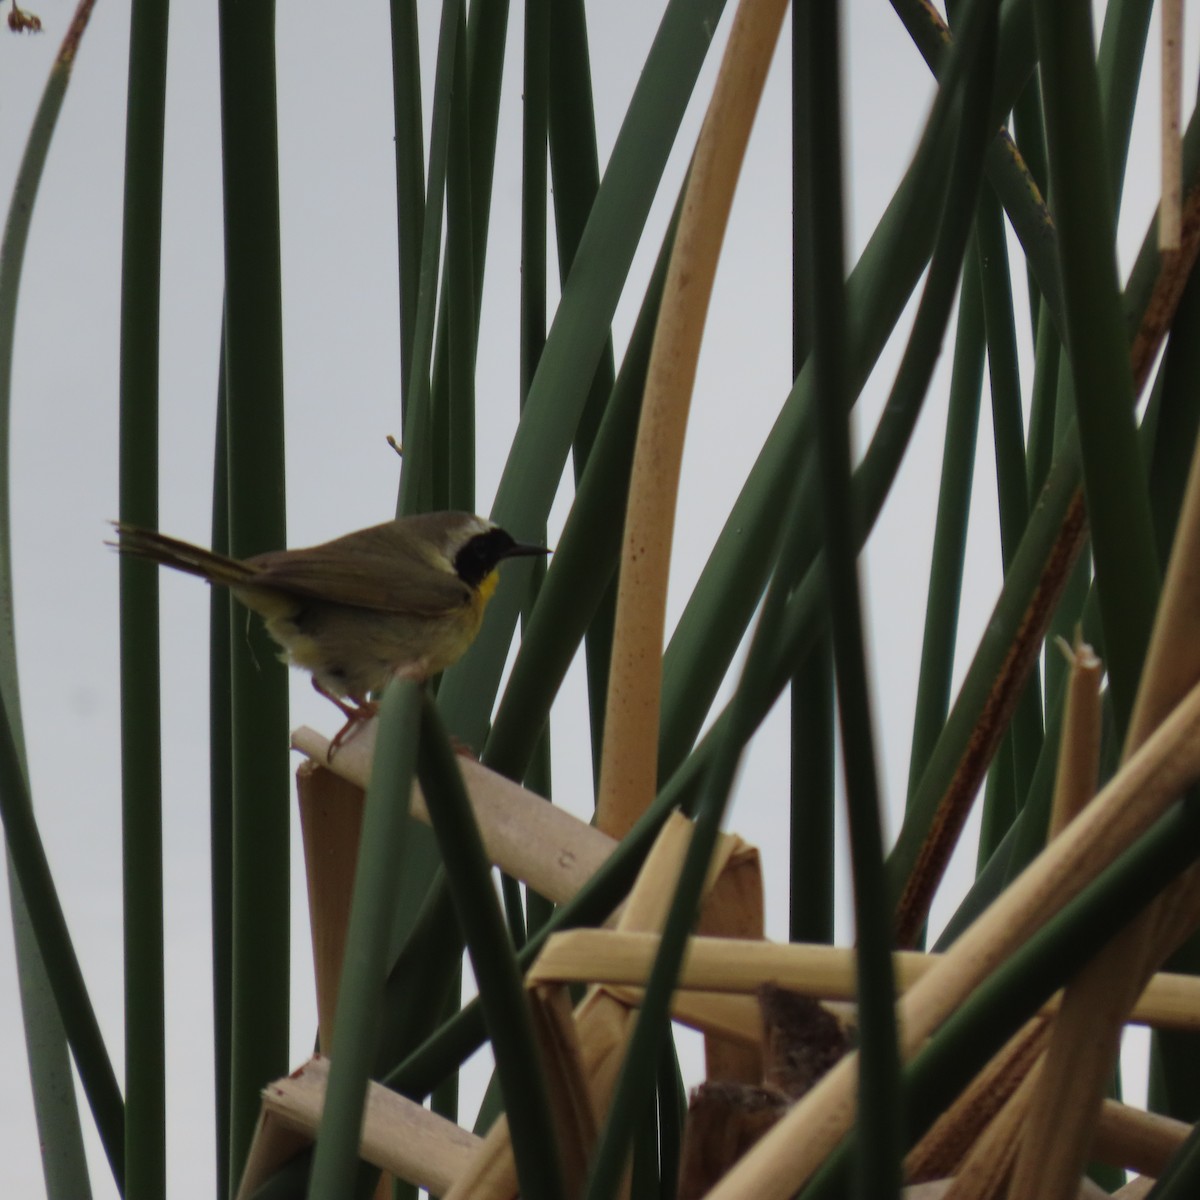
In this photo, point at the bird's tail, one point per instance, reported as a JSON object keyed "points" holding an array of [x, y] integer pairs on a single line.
{"points": [[183, 556]]}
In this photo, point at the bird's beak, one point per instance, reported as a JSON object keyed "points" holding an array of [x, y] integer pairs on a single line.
{"points": [[524, 550]]}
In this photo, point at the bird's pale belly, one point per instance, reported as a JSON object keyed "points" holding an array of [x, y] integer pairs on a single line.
{"points": [[352, 651]]}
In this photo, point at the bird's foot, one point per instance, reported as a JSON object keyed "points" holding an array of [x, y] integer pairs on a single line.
{"points": [[356, 712]]}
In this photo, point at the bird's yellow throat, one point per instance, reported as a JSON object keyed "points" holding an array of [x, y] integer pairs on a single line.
{"points": [[487, 585]]}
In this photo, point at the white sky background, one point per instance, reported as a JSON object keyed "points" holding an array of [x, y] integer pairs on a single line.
{"points": [[342, 363]]}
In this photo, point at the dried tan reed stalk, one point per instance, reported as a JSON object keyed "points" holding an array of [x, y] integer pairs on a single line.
{"points": [[539, 843], [398, 1136], [718, 965], [628, 771], [947, 1147]]}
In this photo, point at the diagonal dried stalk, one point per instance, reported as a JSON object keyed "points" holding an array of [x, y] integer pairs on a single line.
{"points": [[1159, 772], [981, 1128], [985, 1172], [541, 844], [398, 1136], [952, 1141], [1085, 1039]]}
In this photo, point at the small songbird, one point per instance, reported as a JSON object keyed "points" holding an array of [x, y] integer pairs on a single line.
{"points": [[404, 598]]}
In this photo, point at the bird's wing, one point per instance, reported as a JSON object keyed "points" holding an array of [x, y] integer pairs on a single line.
{"points": [[395, 583]]}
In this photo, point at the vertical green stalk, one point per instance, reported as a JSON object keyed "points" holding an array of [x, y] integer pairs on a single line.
{"points": [[534, 140], [63, 1163], [1003, 375], [811, 807], [459, 296], [220, 792], [410, 176], [141, 743], [1127, 572], [878, 1174], [643, 1157], [672, 1112], [1039, 450], [1009, 783], [419, 291], [474, 108], [534, 236], [416, 479], [1070, 604], [510, 1026], [575, 170], [1031, 138], [811, 861], [487, 35], [254, 382], [950, 526], [1119, 71]]}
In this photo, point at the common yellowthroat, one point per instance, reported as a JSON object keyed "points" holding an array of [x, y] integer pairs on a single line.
{"points": [[404, 598]]}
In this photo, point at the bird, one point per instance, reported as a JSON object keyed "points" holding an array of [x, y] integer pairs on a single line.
{"points": [[401, 599]]}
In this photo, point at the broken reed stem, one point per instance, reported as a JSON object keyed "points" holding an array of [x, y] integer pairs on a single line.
{"points": [[540, 844], [331, 811], [1079, 750]]}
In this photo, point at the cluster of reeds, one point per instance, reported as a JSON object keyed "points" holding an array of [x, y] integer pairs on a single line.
{"points": [[991, 1075]]}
